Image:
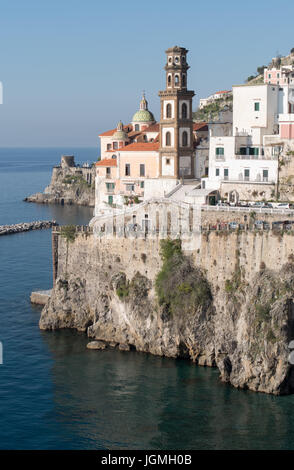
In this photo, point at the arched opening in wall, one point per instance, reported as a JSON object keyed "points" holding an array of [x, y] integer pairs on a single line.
{"points": [[168, 139], [137, 127], [176, 80], [169, 80], [185, 139], [183, 80], [168, 110], [184, 111]]}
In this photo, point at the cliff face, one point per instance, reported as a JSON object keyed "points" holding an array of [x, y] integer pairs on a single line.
{"points": [[69, 185], [230, 304]]}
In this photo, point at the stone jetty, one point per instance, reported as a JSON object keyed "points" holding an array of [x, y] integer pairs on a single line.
{"points": [[26, 226]]}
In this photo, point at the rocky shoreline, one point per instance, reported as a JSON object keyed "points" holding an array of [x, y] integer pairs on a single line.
{"points": [[27, 226]]}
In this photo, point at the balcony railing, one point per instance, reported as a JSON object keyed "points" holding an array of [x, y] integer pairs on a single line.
{"points": [[255, 157], [247, 180]]}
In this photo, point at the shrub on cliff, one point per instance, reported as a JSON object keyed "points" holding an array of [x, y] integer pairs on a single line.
{"points": [[68, 232], [180, 287]]}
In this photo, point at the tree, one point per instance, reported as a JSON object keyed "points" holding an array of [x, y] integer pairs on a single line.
{"points": [[292, 50], [260, 69]]}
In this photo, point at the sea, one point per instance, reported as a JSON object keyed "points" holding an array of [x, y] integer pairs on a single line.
{"points": [[57, 394]]}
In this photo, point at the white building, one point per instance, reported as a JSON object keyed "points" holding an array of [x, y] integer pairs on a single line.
{"points": [[215, 96], [246, 162]]}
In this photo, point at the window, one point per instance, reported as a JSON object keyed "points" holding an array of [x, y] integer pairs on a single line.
{"points": [[176, 79], [108, 170], [219, 152], [128, 169], [142, 184], [226, 174], [168, 110], [110, 186], [167, 161], [168, 139], [217, 172], [246, 174], [269, 75], [184, 111], [115, 145], [184, 80], [256, 106], [169, 80], [130, 187], [137, 127], [185, 139], [110, 200], [142, 169], [145, 223], [254, 151], [108, 146], [265, 175]]}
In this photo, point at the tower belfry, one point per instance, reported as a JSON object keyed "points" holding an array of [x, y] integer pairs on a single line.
{"points": [[176, 124]]}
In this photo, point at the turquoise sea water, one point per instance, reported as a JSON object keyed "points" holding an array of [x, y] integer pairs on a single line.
{"points": [[56, 394]]}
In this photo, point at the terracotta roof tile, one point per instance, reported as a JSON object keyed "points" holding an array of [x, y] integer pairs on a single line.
{"points": [[221, 92], [197, 126], [141, 147], [152, 128], [127, 129], [107, 162]]}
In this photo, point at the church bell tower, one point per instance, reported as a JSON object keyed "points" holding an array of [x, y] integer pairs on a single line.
{"points": [[176, 124]]}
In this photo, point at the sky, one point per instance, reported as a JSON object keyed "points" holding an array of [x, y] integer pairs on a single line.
{"points": [[71, 69]]}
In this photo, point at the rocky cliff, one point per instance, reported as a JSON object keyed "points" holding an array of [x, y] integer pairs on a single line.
{"points": [[70, 184], [229, 305]]}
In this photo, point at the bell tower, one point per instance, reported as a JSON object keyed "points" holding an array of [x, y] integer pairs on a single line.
{"points": [[176, 124]]}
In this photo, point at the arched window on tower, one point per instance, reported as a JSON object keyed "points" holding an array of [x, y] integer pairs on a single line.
{"points": [[185, 139], [169, 80], [184, 111], [168, 110], [168, 139], [176, 80], [183, 80]]}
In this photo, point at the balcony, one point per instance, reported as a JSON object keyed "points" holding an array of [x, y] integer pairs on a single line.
{"points": [[255, 157], [247, 180]]}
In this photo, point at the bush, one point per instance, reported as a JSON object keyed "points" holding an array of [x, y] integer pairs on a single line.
{"points": [[68, 232], [180, 287]]}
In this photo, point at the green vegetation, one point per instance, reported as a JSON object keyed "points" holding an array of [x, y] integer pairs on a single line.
{"points": [[180, 287], [123, 288], [68, 232], [211, 111], [76, 180]]}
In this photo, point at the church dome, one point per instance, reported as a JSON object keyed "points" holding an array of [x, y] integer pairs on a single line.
{"points": [[143, 115], [120, 134]]}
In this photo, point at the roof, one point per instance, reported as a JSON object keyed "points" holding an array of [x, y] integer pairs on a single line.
{"points": [[141, 147], [152, 128], [143, 115], [112, 131], [197, 126], [107, 162], [221, 92]]}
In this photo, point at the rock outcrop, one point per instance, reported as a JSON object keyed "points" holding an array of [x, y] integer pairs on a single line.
{"points": [[70, 184], [239, 323]]}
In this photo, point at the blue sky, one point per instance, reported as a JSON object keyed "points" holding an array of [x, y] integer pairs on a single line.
{"points": [[71, 68]]}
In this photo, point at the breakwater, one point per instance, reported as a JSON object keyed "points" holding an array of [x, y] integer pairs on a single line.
{"points": [[27, 226]]}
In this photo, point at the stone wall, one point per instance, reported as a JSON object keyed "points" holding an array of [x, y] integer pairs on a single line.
{"points": [[106, 287]]}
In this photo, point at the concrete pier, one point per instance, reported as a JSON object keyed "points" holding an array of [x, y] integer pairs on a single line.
{"points": [[27, 226]]}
